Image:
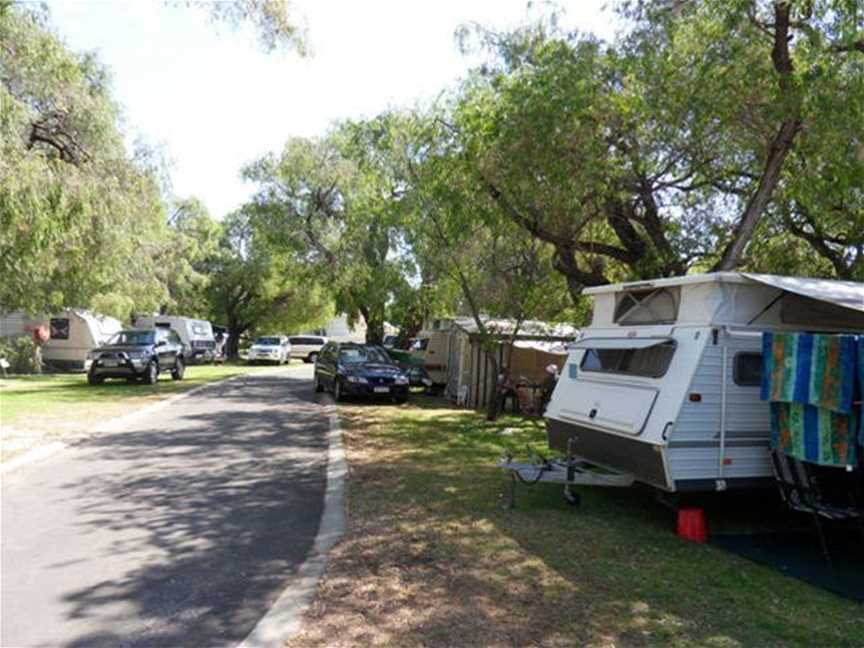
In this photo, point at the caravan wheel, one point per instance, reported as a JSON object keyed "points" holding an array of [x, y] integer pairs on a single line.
{"points": [[573, 499]]}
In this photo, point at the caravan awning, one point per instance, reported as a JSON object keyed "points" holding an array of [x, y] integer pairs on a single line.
{"points": [[546, 346], [846, 294], [620, 343]]}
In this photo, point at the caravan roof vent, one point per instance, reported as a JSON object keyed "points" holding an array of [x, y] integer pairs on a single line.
{"points": [[658, 306]]}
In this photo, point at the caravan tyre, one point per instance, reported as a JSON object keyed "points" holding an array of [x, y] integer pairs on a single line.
{"points": [[151, 374], [178, 370], [573, 499]]}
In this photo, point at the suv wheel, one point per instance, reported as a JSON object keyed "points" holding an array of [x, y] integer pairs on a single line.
{"points": [[337, 390], [151, 374], [93, 379], [316, 384], [312, 357], [179, 369]]}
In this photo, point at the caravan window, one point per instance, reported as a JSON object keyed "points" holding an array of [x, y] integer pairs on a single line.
{"points": [[652, 362], [747, 371], [59, 328], [659, 306]]}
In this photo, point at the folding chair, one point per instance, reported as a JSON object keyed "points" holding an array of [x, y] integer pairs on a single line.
{"points": [[799, 488]]}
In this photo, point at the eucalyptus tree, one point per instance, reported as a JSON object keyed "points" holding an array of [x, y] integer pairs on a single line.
{"points": [[254, 286], [192, 242], [461, 234], [81, 220], [664, 151], [784, 83], [333, 199]]}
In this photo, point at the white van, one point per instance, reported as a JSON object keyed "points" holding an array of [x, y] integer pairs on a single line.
{"points": [[306, 347], [196, 334]]}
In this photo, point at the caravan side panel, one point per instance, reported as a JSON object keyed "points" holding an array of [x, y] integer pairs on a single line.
{"points": [[694, 445]]}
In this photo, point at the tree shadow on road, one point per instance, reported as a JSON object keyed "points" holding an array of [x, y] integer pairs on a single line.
{"points": [[215, 508]]}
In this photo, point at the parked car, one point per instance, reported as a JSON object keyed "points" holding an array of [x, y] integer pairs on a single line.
{"points": [[306, 347], [270, 348], [196, 334], [412, 366], [138, 355], [364, 370]]}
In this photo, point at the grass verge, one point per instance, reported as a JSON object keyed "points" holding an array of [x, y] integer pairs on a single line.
{"points": [[432, 559], [49, 407]]}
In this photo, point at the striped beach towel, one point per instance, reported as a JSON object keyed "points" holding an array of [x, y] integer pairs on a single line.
{"points": [[814, 434], [860, 395], [809, 369]]}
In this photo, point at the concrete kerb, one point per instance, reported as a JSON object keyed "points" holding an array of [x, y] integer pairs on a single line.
{"points": [[284, 617], [117, 424]]}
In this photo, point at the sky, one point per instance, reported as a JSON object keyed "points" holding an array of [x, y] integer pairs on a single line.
{"points": [[212, 100]]}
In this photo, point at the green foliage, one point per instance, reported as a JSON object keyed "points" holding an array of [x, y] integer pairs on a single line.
{"points": [[254, 286], [334, 202], [79, 217], [18, 352], [272, 20], [192, 242]]}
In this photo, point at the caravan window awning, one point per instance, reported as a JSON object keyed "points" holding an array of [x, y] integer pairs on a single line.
{"points": [[620, 343], [846, 294]]}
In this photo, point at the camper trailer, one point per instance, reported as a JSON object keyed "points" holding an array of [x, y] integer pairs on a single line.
{"points": [[73, 333], [196, 334], [434, 346], [664, 384], [471, 380]]}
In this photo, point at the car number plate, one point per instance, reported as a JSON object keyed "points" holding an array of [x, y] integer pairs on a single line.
{"points": [[109, 363], [382, 390]]}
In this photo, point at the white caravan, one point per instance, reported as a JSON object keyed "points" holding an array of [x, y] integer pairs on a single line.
{"points": [[196, 334], [664, 385], [74, 333]]}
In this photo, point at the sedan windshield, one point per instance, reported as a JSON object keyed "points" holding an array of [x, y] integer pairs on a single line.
{"points": [[267, 341], [134, 338], [362, 354]]}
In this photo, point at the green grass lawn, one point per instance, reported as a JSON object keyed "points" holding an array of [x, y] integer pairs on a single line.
{"points": [[25, 396], [39, 409], [432, 557]]}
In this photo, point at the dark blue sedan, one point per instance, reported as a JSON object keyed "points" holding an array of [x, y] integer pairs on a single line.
{"points": [[361, 370]]}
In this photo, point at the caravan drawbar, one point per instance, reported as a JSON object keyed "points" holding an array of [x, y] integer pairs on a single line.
{"points": [[664, 384]]}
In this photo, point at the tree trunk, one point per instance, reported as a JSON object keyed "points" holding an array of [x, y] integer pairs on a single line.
{"points": [[780, 147], [374, 325], [232, 345], [492, 403]]}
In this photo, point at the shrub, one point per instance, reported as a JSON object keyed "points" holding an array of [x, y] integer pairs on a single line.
{"points": [[18, 351]]}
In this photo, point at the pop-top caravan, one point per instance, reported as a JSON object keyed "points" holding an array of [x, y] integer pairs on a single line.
{"points": [[664, 384], [73, 334]]}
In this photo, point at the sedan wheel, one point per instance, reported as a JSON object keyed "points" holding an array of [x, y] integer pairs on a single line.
{"points": [[316, 384], [337, 391]]}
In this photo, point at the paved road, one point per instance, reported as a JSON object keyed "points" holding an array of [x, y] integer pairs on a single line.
{"points": [[178, 532]]}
